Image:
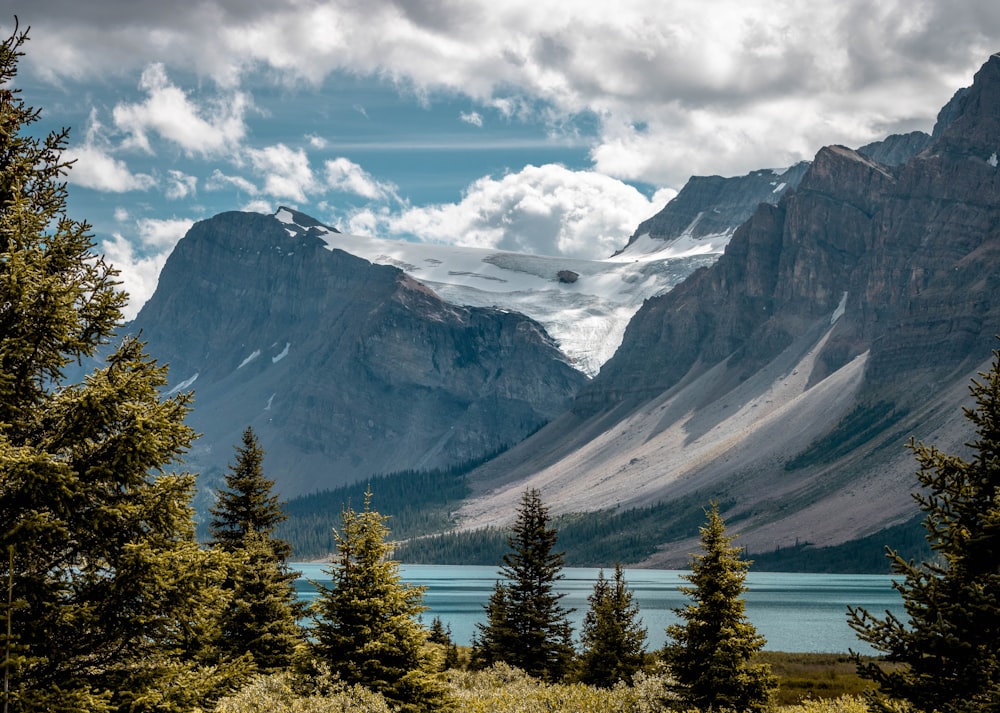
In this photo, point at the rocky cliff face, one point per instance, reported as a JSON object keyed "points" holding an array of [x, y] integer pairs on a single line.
{"points": [[786, 377], [344, 368], [713, 205]]}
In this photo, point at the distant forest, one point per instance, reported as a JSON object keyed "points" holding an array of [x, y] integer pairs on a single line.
{"points": [[420, 506]]}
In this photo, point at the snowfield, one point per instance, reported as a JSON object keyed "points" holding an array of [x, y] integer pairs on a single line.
{"points": [[584, 305]]}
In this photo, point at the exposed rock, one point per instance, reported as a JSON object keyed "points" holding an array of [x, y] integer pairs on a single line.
{"points": [[567, 276], [344, 368], [869, 284], [712, 205]]}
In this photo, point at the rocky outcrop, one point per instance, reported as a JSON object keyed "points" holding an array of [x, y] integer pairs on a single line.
{"points": [[713, 205], [344, 368]]}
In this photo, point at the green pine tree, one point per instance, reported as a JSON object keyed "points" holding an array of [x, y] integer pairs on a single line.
{"points": [[261, 618], [247, 503], [111, 602], [709, 653], [613, 637], [366, 622], [526, 625], [946, 656]]}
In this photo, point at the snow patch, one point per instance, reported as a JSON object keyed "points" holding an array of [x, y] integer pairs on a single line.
{"points": [[282, 355], [839, 312], [269, 402], [183, 385], [285, 216], [780, 187], [254, 355], [993, 160]]}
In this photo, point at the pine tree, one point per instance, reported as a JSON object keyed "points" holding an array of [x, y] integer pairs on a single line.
{"points": [[613, 637], [111, 601], [527, 627], [261, 618], [366, 626], [247, 503], [948, 648], [709, 653]]}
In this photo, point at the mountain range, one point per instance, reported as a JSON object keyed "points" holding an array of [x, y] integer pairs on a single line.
{"points": [[769, 341]]}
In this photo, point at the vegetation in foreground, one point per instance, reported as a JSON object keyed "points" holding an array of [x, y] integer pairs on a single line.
{"points": [[112, 606]]}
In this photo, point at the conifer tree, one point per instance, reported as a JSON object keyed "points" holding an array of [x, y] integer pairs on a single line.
{"points": [[709, 653], [261, 618], [613, 637], [366, 626], [248, 503], [110, 600], [948, 648], [526, 626]]}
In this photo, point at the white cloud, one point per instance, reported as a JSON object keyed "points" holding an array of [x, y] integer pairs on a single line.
{"points": [[286, 172], [219, 181], [212, 128], [472, 117], [180, 185], [344, 175], [546, 209], [96, 168]]}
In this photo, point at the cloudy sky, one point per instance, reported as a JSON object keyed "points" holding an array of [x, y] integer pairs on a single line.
{"points": [[546, 126]]}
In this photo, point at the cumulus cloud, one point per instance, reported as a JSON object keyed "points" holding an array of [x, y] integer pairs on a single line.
{"points": [[547, 210], [472, 117], [286, 172], [180, 185], [209, 129], [700, 80], [344, 175], [96, 168]]}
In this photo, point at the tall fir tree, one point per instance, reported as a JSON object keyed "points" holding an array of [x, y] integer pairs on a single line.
{"points": [[709, 652], [110, 600], [527, 626], [248, 503], [948, 647], [366, 626], [613, 637], [261, 618]]}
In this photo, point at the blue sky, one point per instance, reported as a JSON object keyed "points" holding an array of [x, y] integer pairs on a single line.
{"points": [[544, 126]]}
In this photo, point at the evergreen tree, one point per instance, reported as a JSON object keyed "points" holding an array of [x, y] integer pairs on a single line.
{"points": [[613, 637], [366, 627], [110, 601], [247, 503], [709, 653], [948, 648], [261, 618], [526, 625]]}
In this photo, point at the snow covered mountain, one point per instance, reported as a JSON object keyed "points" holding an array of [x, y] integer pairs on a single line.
{"points": [[584, 305]]}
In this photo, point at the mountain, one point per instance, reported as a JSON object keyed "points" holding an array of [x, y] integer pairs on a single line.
{"points": [[785, 379], [584, 305], [344, 368]]}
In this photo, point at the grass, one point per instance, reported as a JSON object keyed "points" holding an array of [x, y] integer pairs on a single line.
{"points": [[813, 676]]}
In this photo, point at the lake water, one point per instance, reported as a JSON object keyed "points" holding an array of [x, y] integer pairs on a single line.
{"points": [[795, 612]]}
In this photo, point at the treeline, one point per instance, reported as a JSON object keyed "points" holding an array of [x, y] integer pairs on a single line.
{"points": [[417, 502]]}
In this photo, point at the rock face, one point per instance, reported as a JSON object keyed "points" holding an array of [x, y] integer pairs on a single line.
{"points": [[713, 205], [344, 368], [785, 378]]}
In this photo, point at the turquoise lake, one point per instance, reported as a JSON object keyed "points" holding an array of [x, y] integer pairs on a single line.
{"points": [[795, 612]]}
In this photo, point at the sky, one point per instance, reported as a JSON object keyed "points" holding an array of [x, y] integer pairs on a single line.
{"points": [[542, 126]]}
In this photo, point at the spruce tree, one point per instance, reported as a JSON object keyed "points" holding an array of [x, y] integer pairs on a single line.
{"points": [[946, 656], [709, 653], [261, 617], [613, 637], [247, 503], [111, 602], [526, 626], [366, 622]]}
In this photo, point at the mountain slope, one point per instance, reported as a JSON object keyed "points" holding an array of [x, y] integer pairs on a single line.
{"points": [[785, 379], [344, 368]]}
